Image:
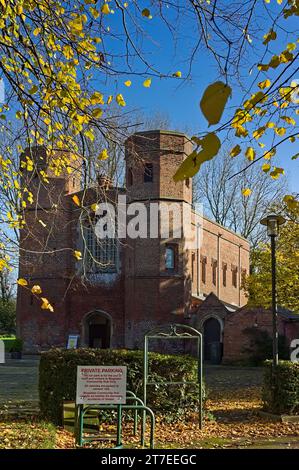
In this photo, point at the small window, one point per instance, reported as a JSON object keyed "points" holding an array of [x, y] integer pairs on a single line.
{"points": [[234, 276], [148, 173], [214, 272], [130, 177], [187, 182], [203, 269], [224, 271], [192, 265], [170, 258]]}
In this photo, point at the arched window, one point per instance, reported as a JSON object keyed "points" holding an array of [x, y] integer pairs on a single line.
{"points": [[170, 258]]}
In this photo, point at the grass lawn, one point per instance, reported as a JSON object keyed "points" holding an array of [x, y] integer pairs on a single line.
{"points": [[233, 404]]}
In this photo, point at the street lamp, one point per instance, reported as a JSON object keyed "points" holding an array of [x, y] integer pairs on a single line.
{"points": [[272, 223]]}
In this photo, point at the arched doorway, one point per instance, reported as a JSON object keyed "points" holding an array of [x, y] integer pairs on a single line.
{"points": [[97, 330], [212, 340]]}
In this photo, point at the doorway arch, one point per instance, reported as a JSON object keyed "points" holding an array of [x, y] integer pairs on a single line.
{"points": [[212, 337], [97, 330]]}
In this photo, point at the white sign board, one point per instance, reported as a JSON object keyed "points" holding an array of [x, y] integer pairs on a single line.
{"points": [[101, 385]]}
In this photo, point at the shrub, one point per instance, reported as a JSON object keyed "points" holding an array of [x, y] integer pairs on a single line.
{"points": [[261, 346], [7, 317], [281, 390], [58, 368]]}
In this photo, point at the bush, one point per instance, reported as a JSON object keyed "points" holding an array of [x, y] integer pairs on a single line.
{"points": [[7, 317], [58, 368], [281, 391], [261, 346]]}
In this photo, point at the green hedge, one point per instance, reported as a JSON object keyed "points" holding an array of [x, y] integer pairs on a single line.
{"points": [[58, 368], [10, 342], [281, 390]]}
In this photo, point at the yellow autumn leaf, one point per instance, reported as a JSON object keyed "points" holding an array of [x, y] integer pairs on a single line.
{"points": [[250, 154], [36, 289], [259, 132], [280, 131], [290, 201], [97, 98], [97, 113], [89, 134], [105, 9], [128, 83], [270, 36], [190, 166], [103, 155], [94, 207], [276, 172], [177, 74], [78, 255], [265, 84], [146, 13], [110, 98], [120, 100], [147, 83], [76, 200], [246, 192], [266, 167], [22, 282], [291, 46], [214, 100], [46, 305], [289, 120], [33, 90], [235, 151]]}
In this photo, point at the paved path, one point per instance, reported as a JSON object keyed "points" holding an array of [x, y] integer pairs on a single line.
{"points": [[227, 378], [19, 380]]}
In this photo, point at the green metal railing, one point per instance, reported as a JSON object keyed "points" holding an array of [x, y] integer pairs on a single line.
{"points": [[170, 332], [138, 406]]}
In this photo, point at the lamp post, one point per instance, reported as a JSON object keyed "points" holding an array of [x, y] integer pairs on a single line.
{"points": [[272, 223]]}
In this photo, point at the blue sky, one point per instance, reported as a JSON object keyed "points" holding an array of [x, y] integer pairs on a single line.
{"points": [[179, 99]]}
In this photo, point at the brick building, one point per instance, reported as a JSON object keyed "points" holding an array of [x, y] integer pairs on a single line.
{"points": [[123, 286]]}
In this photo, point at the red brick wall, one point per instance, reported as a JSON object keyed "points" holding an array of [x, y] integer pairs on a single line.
{"points": [[235, 339]]}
